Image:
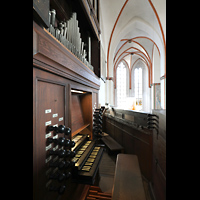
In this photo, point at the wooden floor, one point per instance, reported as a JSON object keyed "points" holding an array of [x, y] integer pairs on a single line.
{"points": [[107, 171]]}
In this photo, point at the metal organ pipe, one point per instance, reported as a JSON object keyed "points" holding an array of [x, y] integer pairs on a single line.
{"points": [[68, 33]]}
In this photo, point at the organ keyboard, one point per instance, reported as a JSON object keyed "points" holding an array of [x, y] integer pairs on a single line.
{"points": [[87, 159]]}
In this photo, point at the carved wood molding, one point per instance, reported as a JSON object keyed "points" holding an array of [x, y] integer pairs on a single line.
{"points": [[51, 55]]}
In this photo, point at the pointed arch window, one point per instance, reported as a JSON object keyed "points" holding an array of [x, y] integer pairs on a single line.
{"points": [[138, 87], [121, 84]]}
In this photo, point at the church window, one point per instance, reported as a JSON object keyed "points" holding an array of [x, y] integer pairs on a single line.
{"points": [[138, 87], [121, 85]]}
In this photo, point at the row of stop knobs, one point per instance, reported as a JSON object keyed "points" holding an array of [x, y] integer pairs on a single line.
{"points": [[59, 129], [62, 153], [59, 175], [61, 141]]}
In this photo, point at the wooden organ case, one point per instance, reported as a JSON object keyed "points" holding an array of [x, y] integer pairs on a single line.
{"points": [[65, 95]]}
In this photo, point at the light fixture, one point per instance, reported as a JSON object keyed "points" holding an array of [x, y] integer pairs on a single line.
{"points": [[78, 91]]}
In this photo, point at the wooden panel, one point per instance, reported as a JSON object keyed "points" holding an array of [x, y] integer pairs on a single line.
{"points": [[137, 134], [159, 157], [63, 9], [144, 153], [111, 143], [159, 151], [80, 129], [159, 182], [81, 113], [41, 12], [118, 132], [139, 118], [109, 127], [128, 143], [76, 113], [51, 55], [139, 143], [91, 18], [86, 105], [134, 141], [56, 70], [96, 56], [50, 86], [48, 94], [128, 180]]}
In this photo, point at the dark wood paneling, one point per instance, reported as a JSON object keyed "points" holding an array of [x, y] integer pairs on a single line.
{"points": [[52, 91], [109, 127], [118, 132], [63, 9], [86, 106], [141, 145], [128, 183], [134, 141], [47, 94], [138, 134], [146, 144], [159, 151], [41, 12], [128, 143], [159, 182], [159, 157], [55, 71], [76, 113], [139, 118], [51, 55], [92, 19], [96, 56]]}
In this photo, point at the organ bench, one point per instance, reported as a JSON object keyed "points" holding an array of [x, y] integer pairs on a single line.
{"points": [[128, 180], [128, 183], [112, 144]]}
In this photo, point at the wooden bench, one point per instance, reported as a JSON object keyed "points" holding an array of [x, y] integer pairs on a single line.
{"points": [[112, 144], [128, 183]]}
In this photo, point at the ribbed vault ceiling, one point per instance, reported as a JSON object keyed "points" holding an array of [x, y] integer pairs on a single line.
{"points": [[132, 26]]}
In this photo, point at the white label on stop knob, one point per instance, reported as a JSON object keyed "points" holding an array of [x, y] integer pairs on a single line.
{"points": [[48, 147], [55, 137], [48, 159], [60, 119], [55, 148], [47, 123], [48, 135], [48, 183], [55, 115], [47, 111]]}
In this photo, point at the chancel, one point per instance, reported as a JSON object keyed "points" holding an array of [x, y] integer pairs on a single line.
{"points": [[99, 100]]}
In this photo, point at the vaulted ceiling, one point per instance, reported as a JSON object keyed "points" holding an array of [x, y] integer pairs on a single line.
{"points": [[132, 30]]}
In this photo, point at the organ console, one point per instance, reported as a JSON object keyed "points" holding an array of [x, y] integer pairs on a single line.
{"points": [[83, 159], [87, 159], [65, 152], [58, 159], [66, 72], [67, 124]]}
